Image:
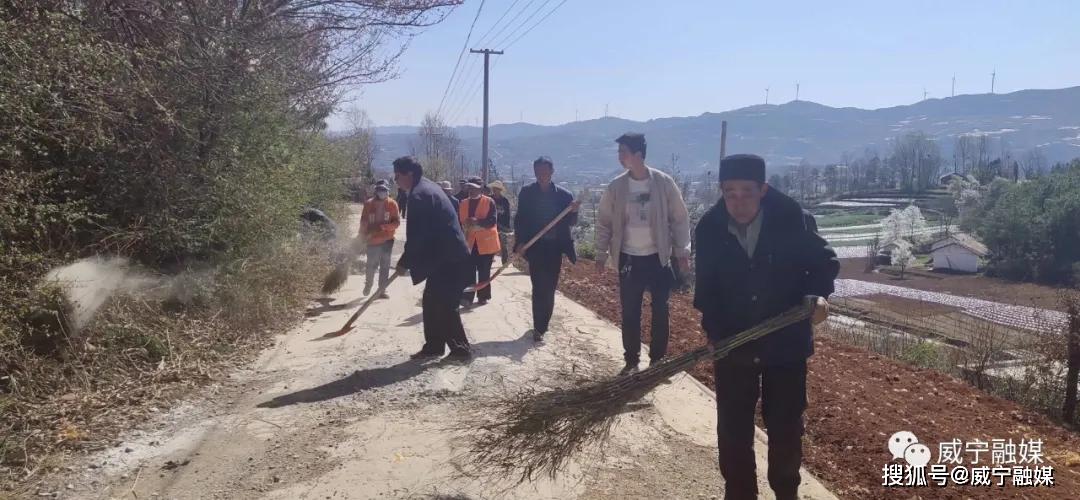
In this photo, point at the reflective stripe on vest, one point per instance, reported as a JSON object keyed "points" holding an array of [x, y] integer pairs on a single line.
{"points": [[484, 239]]}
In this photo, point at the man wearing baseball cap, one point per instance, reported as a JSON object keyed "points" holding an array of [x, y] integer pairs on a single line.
{"points": [[445, 185], [758, 254]]}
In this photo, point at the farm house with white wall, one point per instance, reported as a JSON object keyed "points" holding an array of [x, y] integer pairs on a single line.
{"points": [[958, 252]]}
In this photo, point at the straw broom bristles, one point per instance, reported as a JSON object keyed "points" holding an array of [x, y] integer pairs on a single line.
{"points": [[336, 278], [343, 258], [530, 433]]}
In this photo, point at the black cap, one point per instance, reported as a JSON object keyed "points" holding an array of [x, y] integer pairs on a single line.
{"points": [[546, 160], [475, 182], [742, 167]]}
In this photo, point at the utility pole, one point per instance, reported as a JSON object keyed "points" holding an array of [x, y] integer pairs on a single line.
{"points": [[605, 110], [993, 77], [924, 93], [796, 91], [953, 94], [484, 155], [766, 95]]}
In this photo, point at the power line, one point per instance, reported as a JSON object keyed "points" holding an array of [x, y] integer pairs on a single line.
{"points": [[486, 41], [503, 16], [460, 97], [552, 11], [465, 95], [466, 100], [460, 90], [460, 55], [472, 96], [461, 85], [523, 23]]}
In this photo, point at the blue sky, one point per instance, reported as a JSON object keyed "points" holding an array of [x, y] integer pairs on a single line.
{"points": [[649, 59]]}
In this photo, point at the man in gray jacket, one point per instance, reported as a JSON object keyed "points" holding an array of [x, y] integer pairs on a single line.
{"points": [[642, 221]]}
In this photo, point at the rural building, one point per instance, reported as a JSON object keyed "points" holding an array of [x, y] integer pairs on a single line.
{"points": [[958, 252]]}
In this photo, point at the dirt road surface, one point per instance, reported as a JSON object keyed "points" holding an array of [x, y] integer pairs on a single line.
{"points": [[353, 417]]}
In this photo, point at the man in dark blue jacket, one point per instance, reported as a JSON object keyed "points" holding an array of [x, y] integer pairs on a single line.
{"points": [[435, 251], [758, 254], [538, 204]]}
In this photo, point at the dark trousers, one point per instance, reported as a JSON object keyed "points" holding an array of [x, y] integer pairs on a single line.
{"points": [[504, 251], [545, 264], [636, 275], [479, 267], [783, 398], [442, 321]]}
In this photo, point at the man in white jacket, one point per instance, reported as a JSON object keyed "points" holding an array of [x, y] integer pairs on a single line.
{"points": [[643, 222]]}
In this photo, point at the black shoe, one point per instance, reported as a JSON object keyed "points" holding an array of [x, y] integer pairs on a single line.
{"points": [[482, 302], [654, 362], [422, 354], [629, 369], [538, 336], [459, 357], [466, 303]]}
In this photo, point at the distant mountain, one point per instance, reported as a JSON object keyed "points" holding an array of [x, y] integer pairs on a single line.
{"points": [[784, 134]]}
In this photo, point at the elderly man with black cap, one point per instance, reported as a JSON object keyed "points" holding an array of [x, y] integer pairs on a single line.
{"points": [[758, 254], [478, 217]]}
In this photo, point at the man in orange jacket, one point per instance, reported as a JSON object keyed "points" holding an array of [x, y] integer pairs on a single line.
{"points": [[378, 222], [478, 215]]}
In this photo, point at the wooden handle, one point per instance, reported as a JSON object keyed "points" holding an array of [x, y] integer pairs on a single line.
{"points": [[523, 248], [367, 303]]}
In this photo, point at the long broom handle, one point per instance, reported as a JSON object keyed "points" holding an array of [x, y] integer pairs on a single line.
{"points": [[523, 248], [367, 303], [724, 347]]}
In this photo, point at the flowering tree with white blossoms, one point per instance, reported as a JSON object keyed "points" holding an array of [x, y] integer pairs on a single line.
{"points": [[906, 224], [902, 256]]}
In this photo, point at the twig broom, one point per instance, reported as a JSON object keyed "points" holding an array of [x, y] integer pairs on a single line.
{"points": [[530, 433]]}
